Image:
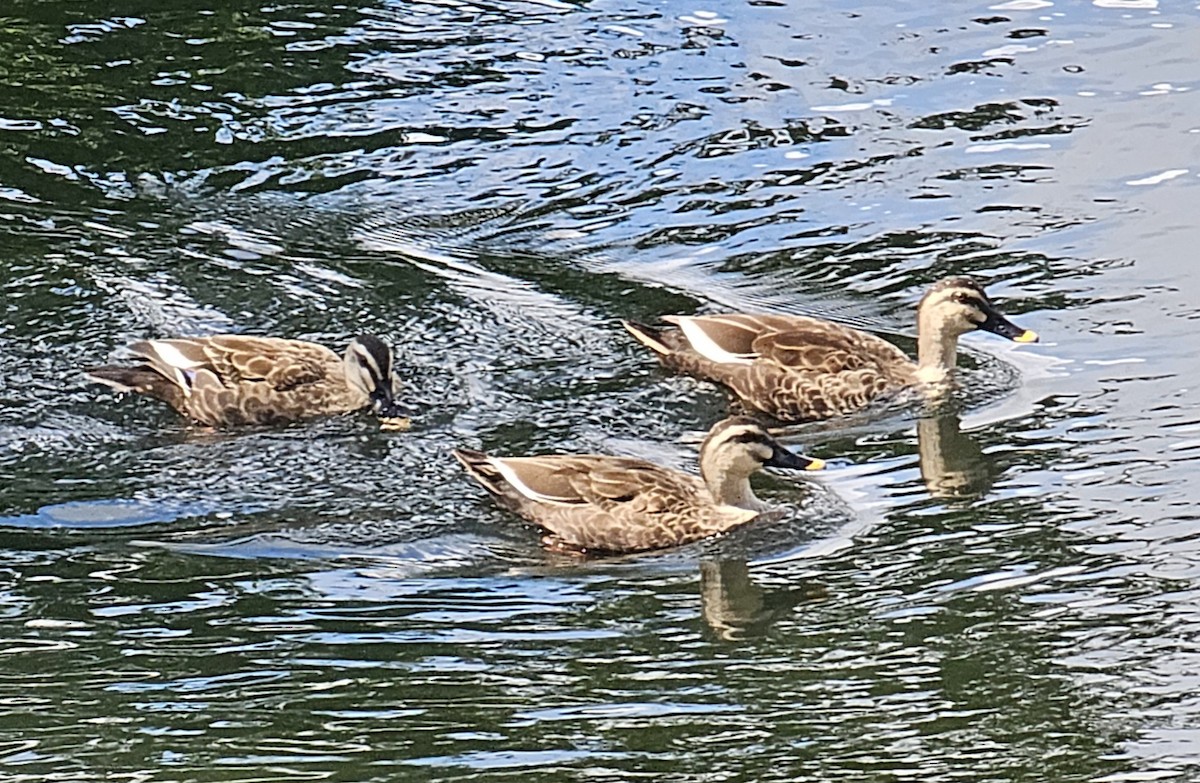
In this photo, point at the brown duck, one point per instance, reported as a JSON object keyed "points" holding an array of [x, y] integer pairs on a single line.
{"points": [[797, 369], [231, 380], [595, 503]]}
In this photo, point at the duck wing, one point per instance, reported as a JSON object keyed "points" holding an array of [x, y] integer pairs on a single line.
{"points": [[812, 345], [792, 368], [227, 361], [612, 483], [594, 502], [727, 338], [797, 342]]}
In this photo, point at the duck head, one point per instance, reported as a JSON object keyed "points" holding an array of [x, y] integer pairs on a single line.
{"points": [[368, 363]]}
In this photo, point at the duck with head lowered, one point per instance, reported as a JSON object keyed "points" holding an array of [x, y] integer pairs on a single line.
{"points": [[232, 379], [591, 503], [797, 369]]}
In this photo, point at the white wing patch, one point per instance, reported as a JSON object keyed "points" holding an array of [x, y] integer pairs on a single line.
{"points": [[171, 357], [708, 348], [520, 486]]}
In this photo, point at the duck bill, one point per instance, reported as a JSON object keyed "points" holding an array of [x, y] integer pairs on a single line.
{"points": [[385, 406], [790, 460], [383, 400], [998, 324]]}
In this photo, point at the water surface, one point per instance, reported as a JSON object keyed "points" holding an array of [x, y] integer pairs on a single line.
{"points": [[1001, 587]]}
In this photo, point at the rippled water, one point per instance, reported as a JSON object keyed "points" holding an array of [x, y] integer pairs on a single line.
{"points": [[1003, 588]]}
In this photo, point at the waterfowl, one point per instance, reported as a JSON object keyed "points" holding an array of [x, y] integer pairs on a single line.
{"points": [[595, 503], [230, 380], [797, 369]]}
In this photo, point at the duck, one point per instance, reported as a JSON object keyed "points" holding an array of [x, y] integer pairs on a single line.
{"points": [[592, 503], [230, 380], [797, 369]]}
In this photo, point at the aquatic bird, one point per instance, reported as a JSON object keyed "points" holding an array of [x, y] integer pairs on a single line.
{"points": [[230, 379], [593, 503], [796, 369]]}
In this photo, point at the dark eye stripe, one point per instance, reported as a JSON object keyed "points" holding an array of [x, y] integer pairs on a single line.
{"points": [[969, 299]]}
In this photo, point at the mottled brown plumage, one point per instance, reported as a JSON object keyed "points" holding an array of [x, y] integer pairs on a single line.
{"points": [[795, 368], [595, 503], [231, 380]]}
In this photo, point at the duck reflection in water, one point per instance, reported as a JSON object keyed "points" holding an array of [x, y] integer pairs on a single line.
{"points": [[953, 465], [735, 607]]}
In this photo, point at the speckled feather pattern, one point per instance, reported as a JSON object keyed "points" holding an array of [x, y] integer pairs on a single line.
{"points": [[607, 504], [802, 369], [239, 380]]}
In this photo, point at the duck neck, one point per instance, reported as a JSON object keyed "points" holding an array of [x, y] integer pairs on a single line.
{"points": [[937, 350], [729, 488]]}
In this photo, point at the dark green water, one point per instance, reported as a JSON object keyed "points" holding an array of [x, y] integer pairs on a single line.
{"points": [[1004, 589]]}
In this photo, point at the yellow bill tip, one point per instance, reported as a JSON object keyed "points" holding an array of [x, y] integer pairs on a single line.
{"points": [[1027, 336], [395, 423], [816, 464]]}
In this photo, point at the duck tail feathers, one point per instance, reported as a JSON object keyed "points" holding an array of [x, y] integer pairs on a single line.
{"points": [[480, 466], [649, 336]]}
